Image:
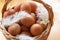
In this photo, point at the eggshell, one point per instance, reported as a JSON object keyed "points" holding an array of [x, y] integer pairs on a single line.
{"points": [[28, 20], [24, 28], [43, 26], [12, 11], [19, 22], [14, 29], [26, 33], [17, 7], [36, 29], [33, 15], [25, 7], [33, 6], [8, 12]]}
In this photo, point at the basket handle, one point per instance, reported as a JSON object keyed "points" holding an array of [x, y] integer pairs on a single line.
{"points": [[49, 8], [5, 6]]}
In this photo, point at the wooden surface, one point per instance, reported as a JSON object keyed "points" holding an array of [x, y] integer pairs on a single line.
{"points": [[55, 31]]}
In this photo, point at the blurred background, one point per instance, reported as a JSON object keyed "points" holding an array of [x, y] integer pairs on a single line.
{"points": [[55, 31]]}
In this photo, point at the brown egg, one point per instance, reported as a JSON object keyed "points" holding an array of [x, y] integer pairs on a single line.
{"points": [[8, 12], [33, 6], [36, 29], [26, 33], [19, 22], [17, 7], [12, 11], [33, 15], [43, 26], [25, 7], [14, 29], [28, 20], [23, 28]]}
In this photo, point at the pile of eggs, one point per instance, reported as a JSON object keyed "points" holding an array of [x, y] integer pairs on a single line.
{"points": [[28, 25]]}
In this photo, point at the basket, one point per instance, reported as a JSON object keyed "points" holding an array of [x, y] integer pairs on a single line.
{"points": [[44, 35]]}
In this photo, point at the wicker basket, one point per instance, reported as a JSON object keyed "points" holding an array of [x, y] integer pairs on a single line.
{"points": [[44, 34]]}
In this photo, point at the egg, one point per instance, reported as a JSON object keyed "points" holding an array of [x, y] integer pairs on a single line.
{"points": [[43, 26], [36, 29], [12, 11], [24, 28], [25, 7], [26, 33], [33, 6], [8, 12], [33, 15], [28, 20], [17, 8], [19, 22], [14, 29]]}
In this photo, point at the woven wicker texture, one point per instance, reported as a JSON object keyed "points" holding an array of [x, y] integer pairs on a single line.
{"points": [[44, 34]]}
